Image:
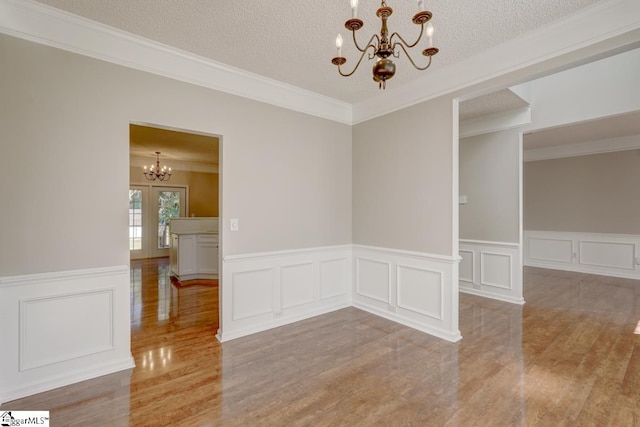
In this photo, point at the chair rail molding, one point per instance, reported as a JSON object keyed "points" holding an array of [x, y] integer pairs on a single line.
{"points": [[47, 25]]}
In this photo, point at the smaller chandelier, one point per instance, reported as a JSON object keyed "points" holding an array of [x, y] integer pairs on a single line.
{"points": [[155, 172], [382, 47]]}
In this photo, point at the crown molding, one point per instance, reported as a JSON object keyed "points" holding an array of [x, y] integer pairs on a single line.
{"points": [[614, 21], [46, 25], [607, 25], [583, 148], [495, 122]]}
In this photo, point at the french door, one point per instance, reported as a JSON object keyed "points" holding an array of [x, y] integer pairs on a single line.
{"points": [[150, 209]]}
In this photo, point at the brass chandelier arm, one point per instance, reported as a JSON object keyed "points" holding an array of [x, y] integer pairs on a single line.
{"points": [[411, 59], [404, 41], [359, 60], [385, 48], [369, 44]]}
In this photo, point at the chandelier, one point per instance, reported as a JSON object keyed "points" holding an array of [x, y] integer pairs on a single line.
{"points": [[155, 172], [382, 47]]}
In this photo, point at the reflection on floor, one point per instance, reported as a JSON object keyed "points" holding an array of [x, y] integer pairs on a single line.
{"points": [[568, 357]]}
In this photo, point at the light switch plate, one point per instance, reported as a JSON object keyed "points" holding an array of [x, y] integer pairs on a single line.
{"points": [[234, 224]]}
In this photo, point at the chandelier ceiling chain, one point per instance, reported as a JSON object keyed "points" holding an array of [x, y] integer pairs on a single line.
{"points": [[155, 172], [382, 47]]}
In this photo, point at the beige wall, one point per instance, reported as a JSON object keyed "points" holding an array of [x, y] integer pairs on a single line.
{"points": [[64, 162], [490, 178], [203, 189], [596, 193], [403, 177]]}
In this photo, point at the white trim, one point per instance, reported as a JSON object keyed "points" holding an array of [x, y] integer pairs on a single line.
{"points": [[437, 316], [602, 22], [431, 330], [275, 254], [41, 305], [572, 259], [490, 243], [254, 288], [420, 255], [334, 267], [264, 326], [422, 315], [624, 143], [483, 268], [53, 27], [511, 287], [64, 379], [490, 295], [495, 122], [473, 266], [523, 91], [358, 262], [24, 356], [29, 279]]}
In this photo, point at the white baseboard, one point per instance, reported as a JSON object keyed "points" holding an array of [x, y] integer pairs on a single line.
{"points": [[491, 270], [63, 327], [415, 289], [261, 327], [484, 294], [65, 379], [615, 255]]}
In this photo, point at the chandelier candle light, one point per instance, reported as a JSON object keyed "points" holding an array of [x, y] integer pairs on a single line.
{"points": [[157, 173], [382, 47]]}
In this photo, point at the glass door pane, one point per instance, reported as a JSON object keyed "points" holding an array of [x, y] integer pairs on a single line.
{"points": [[135, 220], [138, 221], [168, 207], [169, 202]]}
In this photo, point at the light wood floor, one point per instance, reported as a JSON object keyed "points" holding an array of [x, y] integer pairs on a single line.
{"points": [[568, 357]]}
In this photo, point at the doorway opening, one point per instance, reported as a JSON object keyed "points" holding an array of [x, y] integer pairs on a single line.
{"points": [[165, 216]]}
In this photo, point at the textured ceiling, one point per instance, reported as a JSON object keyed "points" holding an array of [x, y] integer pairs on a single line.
{"points": [[493, 103], [293, 41]]}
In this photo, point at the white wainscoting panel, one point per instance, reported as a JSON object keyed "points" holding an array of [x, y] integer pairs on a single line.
{"points": [[374, 278], [555, 249], [253, 293], [467, 265], [492, 270], [412, 288], [607, 254], [334, 273], [616, 255], [421, 290], [61, 314], [496, 269], [297, 285], [63, 327], [266, 290]]}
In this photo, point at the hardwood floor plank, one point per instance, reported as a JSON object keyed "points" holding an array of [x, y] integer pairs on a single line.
{"points": [[567, 358]]}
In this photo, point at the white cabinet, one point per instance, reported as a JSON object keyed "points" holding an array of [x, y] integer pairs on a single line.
{"points": [[194, 256], [207, 254]]}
